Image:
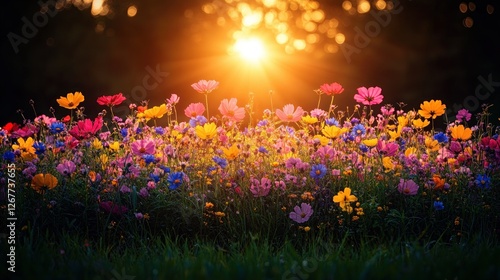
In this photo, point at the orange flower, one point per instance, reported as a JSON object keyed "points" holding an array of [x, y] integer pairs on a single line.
{"points": [[438, 182], [461, 133], [42, 182], [432, 109], [71, 101], [344, 197]]}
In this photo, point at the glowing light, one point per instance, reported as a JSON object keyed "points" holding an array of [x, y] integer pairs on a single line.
{"points": [[380, 4], [490, 9], [132, 11], [463, 7], [468, 22], [347, 5], [281, 38], [340, 38], [363, 7], [97, 7], [299, 44], [250, 49]]}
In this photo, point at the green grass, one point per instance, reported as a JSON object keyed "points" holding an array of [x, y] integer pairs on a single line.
{"points": [[167, 259]]}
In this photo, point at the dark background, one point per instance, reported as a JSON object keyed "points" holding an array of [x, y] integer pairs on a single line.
{"points": [[424, 53]]}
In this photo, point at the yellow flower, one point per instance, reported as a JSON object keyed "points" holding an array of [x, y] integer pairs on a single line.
{"points": [[333, 131], [26, 148], [395, 134], [156, 112], [410, 151], [309, 120], [402, 121], [431, 144], [71, 101], [344, 197], [432, 109], [419, 124], [388, 164], [370, 142], [103, 160], [115, 146], [207, 131], [460, 132], [232, 152], [97, 144], [322, 139], [42, 182]]}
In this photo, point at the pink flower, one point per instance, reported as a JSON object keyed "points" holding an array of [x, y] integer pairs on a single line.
{"points": [[112, 208], [111, 100], [204, 86], [407, 187], [260, 188], [86, 128], [370, 96], [194, 110], [330, 89], [289, 114], [387, 148], [174, 99], [301, 214], [143, 147], [229, 110]]}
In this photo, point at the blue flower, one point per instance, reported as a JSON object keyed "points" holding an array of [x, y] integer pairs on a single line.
{"points": [[199, 120], [363, 148], [56, 127], [318, 171], [262, 123], [263, 150], [149, 159], [482, 181], [358, 130], [220, 161], [138, 130], [159, 130], [441, 137], [39, 148], [165, 168], [438, 205], [124, 132], [9, 156], [154, 177], [60, 144], [175, 180], [332, 121]]}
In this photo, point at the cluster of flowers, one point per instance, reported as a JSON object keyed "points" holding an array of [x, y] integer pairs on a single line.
{"points": [[288, 151]]}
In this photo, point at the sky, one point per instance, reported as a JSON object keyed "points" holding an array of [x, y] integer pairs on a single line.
{"points": [[416, 51]]}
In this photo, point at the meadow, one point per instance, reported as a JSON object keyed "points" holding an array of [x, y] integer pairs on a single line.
{"points": [[375, 191]]}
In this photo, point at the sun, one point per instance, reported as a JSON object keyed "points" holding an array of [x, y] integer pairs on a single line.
{"points": [[250, 49]]}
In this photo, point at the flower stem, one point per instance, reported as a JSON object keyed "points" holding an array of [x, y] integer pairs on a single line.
{"points": [[206, 104], [319, 101], [331, 104]]}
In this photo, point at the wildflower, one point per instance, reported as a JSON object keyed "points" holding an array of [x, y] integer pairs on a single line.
{"points": [[114, 146], [463, 114], [439, 183], [407, 187], [431, 144], [441, 137], [329, 89], [143, 146], [111, 208], [156, 112], [10, 127], [387, 148], [232, 152], [175, 179], [482, 181], [289, 113], [438, 205], [9, 156], [56, 127], [111, 100], [344, 198], [333, 132], [370, 96], [419, 124], [309, 120], [432, 109], [358, 130], [86, 128], [332, 121], [461, 133], [370, 142], [39, 147], [43, 182], [207, 131], [174, 99], [318, 171], [66, 167], [260, 188], [301, 214], [71, 101], [220, 161], [230, 110], [388, 163], [25, 147], [204, 86], [194, 109]]}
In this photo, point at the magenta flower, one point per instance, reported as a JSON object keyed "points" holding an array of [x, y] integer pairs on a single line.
{"points": [[289, 113], [204, 86], [260, 188], [329, 89], [112, 208], [407, 187], [194, 110], [66, 167], [111, 100], [143, 147], [86, 128], [230, 110], [387, 148], [301, 214], [370, 96], [463, 114]]}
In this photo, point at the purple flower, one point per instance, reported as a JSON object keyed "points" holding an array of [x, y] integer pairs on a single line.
{"points": [[260, 188], [407, 187], [66, 167], [318, 171], [301, 214], [463, 114]]}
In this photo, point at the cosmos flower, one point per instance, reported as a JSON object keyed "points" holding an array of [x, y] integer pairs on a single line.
{"points": [[143, 147], [86, 128], [174, 99], [207, 131], [329, 89], [370, 96], [71, 101], [289, 113], [461, 133], [204, 86], [482, 181], [301, 214], [43, 182], [175, 179], [260, 188], [419, 124], [463, 114], [111, 100], [25, 147], [230, 110], [431, 109], [156, 112], [194, 110], [231, 152], [407, 187], [66, 167], [333, 132]]}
